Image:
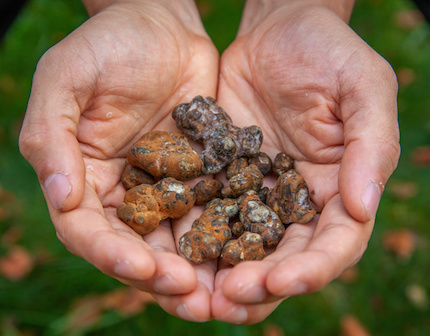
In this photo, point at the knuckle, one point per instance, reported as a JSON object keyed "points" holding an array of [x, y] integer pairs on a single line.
{"points": [[391, 151], [31, 142], [396, 151], [385, 71], [62, 237]]}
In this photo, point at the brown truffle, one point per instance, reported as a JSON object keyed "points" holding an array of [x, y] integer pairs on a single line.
{"points": [[237, 229], [165, 154], [249, 178], [290, 199], [236, 166], [209, 232], [174, 197], [257, 217], [145, 205], [203, 120], [262, 194], [282, 163], [207, 190], [133, 176], [263, 162], [248, 246]]}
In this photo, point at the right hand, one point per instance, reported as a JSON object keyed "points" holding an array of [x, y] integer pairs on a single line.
{"points": [[116, 77], [323, 96]]}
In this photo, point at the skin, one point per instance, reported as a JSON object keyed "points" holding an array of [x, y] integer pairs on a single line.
{"points": [[327, 99], [117, 77]]}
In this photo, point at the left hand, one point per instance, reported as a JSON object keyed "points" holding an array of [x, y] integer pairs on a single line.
{"points": [[117, 76], [323, 96]]}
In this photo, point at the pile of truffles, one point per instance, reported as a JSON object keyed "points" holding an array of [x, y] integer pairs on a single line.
{"points": [[240, 219]]}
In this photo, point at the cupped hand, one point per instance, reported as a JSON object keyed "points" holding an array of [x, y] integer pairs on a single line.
{"points": [[322, 95], [114, 78]]}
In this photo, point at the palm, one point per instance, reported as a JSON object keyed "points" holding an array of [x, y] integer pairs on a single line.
{"points": [[293, 77], [135, 87], [123, 83], [293, 99]]}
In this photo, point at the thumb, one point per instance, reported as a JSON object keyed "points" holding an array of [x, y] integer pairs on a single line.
{"points": [[371, 145], [48, 142]]}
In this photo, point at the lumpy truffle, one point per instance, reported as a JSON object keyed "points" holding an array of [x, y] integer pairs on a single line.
{"points": [[203, 120]]}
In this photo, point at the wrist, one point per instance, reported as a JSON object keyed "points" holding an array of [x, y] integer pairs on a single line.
{"points": [[95, 6], [255, 10], [185, 11]]}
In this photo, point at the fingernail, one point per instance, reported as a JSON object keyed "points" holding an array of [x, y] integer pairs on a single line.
{"points": [[252, 293], [371, 197], [183, 313], [57, 188], [124, 269], [236, 315], [165, 284], [297, 288]]}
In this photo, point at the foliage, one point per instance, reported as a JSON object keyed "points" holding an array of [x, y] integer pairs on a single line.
{"points": [[44, 290]]}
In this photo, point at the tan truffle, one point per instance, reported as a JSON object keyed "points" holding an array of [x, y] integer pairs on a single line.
{"points": [[207, 190], [145, 205], [257, 217], [282, 163], [249, 246], [165, 154], [133, 176], [209, 232], [290, 199], [248, 178]]}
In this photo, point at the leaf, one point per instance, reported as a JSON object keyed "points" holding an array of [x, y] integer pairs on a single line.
{"points": [[9, 204], [351, 326], [88, 311], [85, 313], [405, 76], [409, 18], [8, 85], [205, 8], [4, 214], [17, 264], [11, 236], [417, 295], [273, 330], [401, 242], [421, 156], [127, 301], [350, 275], [401, 190]]}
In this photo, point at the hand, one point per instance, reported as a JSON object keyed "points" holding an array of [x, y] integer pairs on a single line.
{"points": [[95, 93], [325, 97]]}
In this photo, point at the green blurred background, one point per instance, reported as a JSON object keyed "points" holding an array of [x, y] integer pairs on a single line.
{"points": [[44, 290]]}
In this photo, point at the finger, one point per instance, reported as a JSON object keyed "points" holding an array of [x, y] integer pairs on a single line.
{"points": [[339, 242], [226, 310], [322, 181], [246, 282], [48, 139], [194, 306], [369, 113], [113, 248], [173, 274], [206, 270]]}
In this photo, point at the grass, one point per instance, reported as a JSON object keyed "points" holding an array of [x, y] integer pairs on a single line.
{"points": [[42, 302]]}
